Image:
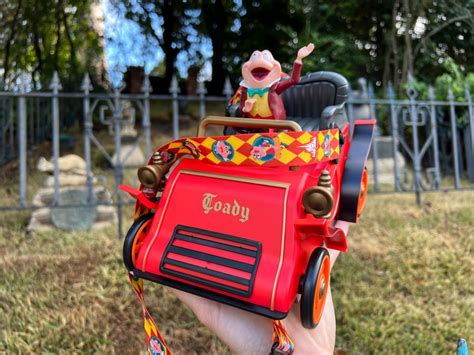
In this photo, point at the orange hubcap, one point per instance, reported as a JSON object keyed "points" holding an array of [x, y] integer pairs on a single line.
{"points": [[364, 187], [138, 241], [321, 290]]}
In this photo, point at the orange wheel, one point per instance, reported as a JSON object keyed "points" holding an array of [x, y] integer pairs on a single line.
{"points": [[315, 288], [134, 240], [321, 290], [364, 188]]}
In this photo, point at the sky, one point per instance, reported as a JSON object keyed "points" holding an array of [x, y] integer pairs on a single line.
{"points": [[124, 36]]}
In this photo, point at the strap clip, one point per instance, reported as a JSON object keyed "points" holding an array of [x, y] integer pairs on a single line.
{"points": [[276, 351]]}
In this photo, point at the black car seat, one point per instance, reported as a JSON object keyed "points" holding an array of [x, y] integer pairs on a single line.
{"points": [[317, 101]]}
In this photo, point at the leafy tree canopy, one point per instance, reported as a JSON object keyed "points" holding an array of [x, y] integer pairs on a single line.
{"points": [[41, 36], [378, 39]]}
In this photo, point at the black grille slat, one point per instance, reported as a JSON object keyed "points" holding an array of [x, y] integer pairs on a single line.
{"points": [[210, 272], [212, 258], [194, 236], [210, 243]]}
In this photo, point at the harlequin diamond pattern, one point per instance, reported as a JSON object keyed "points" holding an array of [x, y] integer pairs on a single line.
{"points": [[285, 138], [235, 141], [305, 138], [208, 143], [287, 156], [260, 149]]}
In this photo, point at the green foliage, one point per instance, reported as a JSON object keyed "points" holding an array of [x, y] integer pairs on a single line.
{"points": [[272, 25], [41, 36], [454, 79], [382, 40]]}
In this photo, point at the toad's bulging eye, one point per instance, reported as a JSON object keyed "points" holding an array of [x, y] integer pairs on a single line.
{"points": [[267, 55], [254, 55]]}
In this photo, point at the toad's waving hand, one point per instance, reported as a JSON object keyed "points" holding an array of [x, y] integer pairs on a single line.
{"points": [[304, 52]]}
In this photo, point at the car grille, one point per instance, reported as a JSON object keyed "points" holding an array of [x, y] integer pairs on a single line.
{"points": [[216, 260]]}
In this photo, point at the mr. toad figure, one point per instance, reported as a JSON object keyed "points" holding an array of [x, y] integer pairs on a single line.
{"points": [[263, 82]]}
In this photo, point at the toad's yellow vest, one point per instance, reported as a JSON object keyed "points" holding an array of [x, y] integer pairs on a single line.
{"points": [[261, 107]]}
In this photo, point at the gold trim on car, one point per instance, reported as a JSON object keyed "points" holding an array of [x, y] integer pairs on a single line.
{"points": [[246, 123], [237, 178]]}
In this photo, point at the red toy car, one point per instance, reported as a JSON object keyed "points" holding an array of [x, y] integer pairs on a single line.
{"points": [[247, 220]]}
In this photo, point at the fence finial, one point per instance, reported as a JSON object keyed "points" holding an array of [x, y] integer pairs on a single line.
{"points": [[350, 94], [227, 88], [146, 87], [467, 92], [390, 91], [201, 88], [370, 90], [450, 93], [431, 93], [174, 88], [23, 84], [411, 91], [362, 82], [86, 85], [55, 83]]}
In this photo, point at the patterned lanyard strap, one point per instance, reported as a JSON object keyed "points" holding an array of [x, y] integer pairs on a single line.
{"points": [[155, 343], [282, 344], [270, 149]]}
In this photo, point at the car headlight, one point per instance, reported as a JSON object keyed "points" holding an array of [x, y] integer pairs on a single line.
{"points": [[319, 200], [151, 175]]}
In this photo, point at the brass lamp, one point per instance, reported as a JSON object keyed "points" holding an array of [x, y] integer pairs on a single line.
{"points": [[319, 200], [151, 175]]}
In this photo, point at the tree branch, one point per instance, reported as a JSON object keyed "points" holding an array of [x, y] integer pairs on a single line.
{"points": [[439, 28], [37, 47], [58, 36], [6, 61], [69, 39], [152, 32]]}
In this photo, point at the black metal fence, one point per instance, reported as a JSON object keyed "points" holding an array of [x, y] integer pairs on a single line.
{"points": [[421, 145]]}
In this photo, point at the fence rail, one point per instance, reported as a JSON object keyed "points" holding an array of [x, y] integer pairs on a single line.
{"points": [[425, 142]]}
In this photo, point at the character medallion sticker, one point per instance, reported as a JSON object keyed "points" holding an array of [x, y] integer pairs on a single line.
{"points": [[223, 150], [266, 148], [327, 145], [167, 156], [156, 348]]}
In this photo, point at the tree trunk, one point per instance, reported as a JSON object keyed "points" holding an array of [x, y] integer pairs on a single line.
{"points": [[57, 46], [169, 20], [408, 51], [72, 48], [395, 45], [215, 18], [6, 61], [37, 48]]}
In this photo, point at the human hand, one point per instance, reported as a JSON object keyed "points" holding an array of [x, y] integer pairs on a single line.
{"points": [[248, 106], [304, 52], [248, 333]]}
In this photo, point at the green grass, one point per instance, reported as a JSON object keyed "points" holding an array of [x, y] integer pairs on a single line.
{"points": [[69, 291], [405, 286]]}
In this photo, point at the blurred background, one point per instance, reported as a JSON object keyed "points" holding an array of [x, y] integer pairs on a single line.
{"points": [[382, 41], [88, 89]]}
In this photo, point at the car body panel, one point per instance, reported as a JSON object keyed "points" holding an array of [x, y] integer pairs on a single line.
{"points": [[212, 221]]}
